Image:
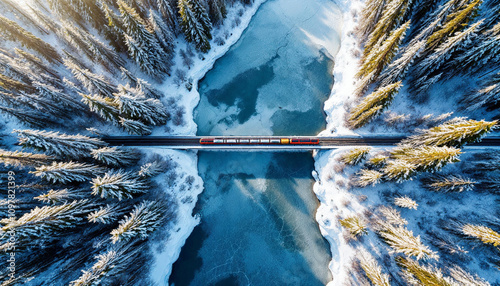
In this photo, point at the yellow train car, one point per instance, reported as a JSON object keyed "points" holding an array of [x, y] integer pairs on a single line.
{"points": [[285, 141]]}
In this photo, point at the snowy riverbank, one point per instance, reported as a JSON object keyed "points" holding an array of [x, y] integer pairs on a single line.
{"points": [[168, 252], [331, 184]]}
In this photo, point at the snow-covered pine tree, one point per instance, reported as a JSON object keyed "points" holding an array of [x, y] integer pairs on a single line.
{"points": [[135, 106], [427, 158], [454, 22], [465, 278], [12, 31], [486, 50], [366, 117], [444, 51], [93, 83], [119, 185], [200, 13], [355, 225], [31, 118], [405, 202], [152, 169], [456, 132], [67, 172], [372, 11], [163, 34], [44, 222], [217, 11], [128, 77], [392, 17], [149, 91], [392, 216], [382, 98], [115, 156], [59, 144], [115, 27], [381, 55], [483, 233], [355, 156], [449, 183], [135, 127], [22, 159], [142, 44], [58, 96], [59, 196], [487, 96], [368, 177], [415, 274], [105, 215], [372, 269], [106, 107], [399, 170], [111, 263], [144, 219], [192, 27], [36, 63], [402, 240], [169, 15], [397, 70]]}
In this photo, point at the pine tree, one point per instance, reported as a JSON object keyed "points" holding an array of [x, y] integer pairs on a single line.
{"points": [[372, 11], [22, 159], [427, 158], [355, 156], [142, 45], [104, 106], [152, 169], [66, 101], [33, 119], [135, 127], [464, 278], [372, 269], [444, 52], [401, 240], [37, 63], [483, 233], [391, 17], [105, 215], [43, 222], [114, 156], [163, 34], [398, 69], [405, 202], [380, 99], [486, 50], [217, 11], [145, 88], [355, 225], [168, 14], [59, 196], [422, 275], [57, 144], [118, 184], [136, 106], [144, 219], [381, 55], [202, 16], [456, 132], [193, 27], [67, 172], [399, 170], [487, 96], [454, 22], [449, 183], [392, 216], [368, 177], [12, 31], [93, 83]]}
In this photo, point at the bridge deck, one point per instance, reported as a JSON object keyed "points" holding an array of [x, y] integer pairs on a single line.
{"points": [[193, 142]]}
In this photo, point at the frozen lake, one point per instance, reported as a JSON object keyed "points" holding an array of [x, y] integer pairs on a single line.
{"points": [[257, 210]]}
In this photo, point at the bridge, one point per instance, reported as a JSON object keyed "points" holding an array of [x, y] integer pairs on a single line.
{"points": [[193, 142]]}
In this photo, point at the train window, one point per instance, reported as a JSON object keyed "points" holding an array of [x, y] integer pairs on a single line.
{"points": [[219, 141], [305, 140], [264, 140], [275, 141], [314, 141], [254, 140], [231, 141], [295, 140], [245, 141]]}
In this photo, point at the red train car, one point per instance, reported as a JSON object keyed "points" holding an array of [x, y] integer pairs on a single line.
{"points": [[258, 141]]}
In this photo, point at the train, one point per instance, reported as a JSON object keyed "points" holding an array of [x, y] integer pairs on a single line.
{"points": [[259, 141]]}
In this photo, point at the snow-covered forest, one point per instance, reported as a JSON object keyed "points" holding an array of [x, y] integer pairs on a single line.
{"points": [[425, 212], [82, 212]]}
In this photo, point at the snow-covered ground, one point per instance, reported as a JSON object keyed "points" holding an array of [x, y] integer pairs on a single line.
{"points": [[334, 180]]}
